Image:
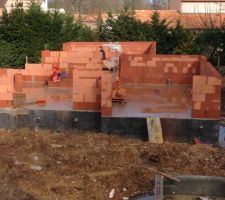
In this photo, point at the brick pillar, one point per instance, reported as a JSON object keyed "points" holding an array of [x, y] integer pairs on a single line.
{"points": [[106, 93]]}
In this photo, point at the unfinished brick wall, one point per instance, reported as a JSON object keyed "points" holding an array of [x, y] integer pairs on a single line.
{"points": [[158, 69], [87, 90], [92, 87], [206, 89], [92, 91], [106, 94], [127, 47], [34, 72], [6, 88], [85, 55]]}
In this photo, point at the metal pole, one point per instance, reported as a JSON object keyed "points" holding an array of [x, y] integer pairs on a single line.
{"points": [[218, 64]]}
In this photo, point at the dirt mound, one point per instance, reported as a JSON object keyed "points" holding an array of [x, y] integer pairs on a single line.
{"points": [[88, 166]]}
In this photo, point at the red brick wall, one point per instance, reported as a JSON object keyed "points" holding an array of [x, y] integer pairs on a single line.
{"points": [[106, 94], [206, 89], [127, 47], [87, 90], [6, 88], [92, 91], [158, 69]]}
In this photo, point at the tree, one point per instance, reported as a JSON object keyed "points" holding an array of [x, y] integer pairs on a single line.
{"points": [[26, 33], [209, 42], [124, 27], [179, 36], [159, 31], [9, 56], [168, 38]]}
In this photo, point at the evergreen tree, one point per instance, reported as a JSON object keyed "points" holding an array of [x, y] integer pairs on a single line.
{"points": [[124, 27], [27, 33], [159, 31]]}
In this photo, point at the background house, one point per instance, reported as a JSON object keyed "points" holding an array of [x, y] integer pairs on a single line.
{"points": [[10, 4], [197, 6], [190, 21]]}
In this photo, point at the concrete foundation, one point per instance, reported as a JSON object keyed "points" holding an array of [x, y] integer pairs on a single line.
{"points": [[191, 187], [174, 130], [196, 185]]}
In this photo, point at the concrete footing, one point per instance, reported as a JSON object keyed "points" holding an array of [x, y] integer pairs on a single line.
{"points": [[174, 130], [196, 185]]}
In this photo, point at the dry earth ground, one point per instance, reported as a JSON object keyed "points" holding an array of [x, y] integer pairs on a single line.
{"points": [[49, 166]]}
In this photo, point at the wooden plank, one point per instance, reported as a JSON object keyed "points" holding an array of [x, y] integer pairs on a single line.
{"points": [[164, 174], [158, 191], [154, 130]]}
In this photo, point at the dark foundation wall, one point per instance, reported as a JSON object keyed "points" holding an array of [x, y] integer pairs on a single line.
{"points": [[125, 126], [174, 130], [196, 185], [50, 119]]}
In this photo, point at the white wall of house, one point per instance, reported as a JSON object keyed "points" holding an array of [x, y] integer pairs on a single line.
{"points": [[203, 7], [10, 4], [44, 5]]}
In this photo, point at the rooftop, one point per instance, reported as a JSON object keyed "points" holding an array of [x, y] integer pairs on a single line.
{"points": [[188, 20]]}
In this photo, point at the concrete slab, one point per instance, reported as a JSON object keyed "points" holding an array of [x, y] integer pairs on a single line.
{"points": [[148, 100], [56, 98]]}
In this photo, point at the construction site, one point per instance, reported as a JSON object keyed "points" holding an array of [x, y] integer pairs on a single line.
{"points": [[102, 120]]}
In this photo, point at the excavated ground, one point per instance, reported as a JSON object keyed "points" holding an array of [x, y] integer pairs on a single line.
{"points": [[87, 166]]}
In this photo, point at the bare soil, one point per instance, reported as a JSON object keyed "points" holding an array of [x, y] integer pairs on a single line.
{"points": [[87, 166]]}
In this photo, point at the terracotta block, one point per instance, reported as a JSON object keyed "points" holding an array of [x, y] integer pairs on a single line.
{"points": [[3, 72], [45, 53], [217, 90], [12, 72], [213, 81], [213, 97], [166, 70], [40, 78], [169, 65], [198, 114], [89, 98], [197, 88], [208, 89], [212, 114], [199, 80], [3, 88], [197, 105], [47, 67], [175, 70], [106, 111], [137, 59], [199, 97], [54, 53], [6, 104], [151, 64], [91, 106], [18, 78], [65, 83], [27, 78], [204, 105], [213, 106], [53, 84], [78, 98], [7, 96]]}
